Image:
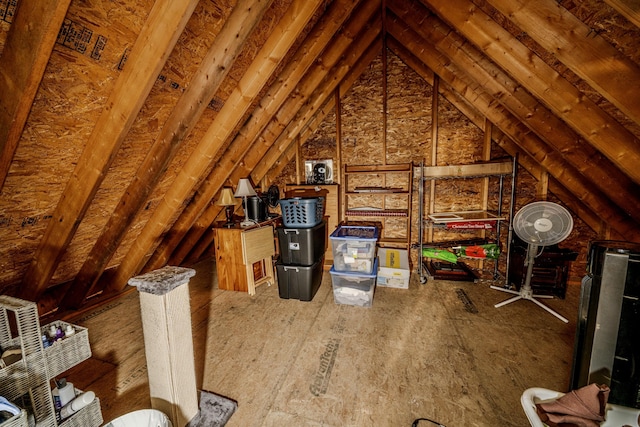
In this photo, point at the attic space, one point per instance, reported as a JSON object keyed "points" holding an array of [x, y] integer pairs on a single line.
{"points": [[124, 124]]}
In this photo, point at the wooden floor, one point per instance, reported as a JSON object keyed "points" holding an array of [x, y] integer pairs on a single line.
{"points": [[440, 351]]}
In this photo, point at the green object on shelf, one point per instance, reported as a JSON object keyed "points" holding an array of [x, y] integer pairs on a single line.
{"points": [[439, 254]]}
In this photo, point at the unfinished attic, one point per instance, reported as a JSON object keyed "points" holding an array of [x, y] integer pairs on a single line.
{"points": [[128, 129]]}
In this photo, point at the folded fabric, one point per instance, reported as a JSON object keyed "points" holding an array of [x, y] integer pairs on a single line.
{"points": [[584, 407]]}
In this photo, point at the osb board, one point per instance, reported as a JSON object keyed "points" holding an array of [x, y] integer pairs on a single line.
{"points": [[603, 21], [205, 23], [7, 10], [80, 74], [408, 113], [362, 118], [320, 146]]}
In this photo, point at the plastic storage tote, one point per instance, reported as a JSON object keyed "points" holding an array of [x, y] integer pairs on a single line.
{"points": [[354, 248], [353, 289], [302, 246], [298, 281]]}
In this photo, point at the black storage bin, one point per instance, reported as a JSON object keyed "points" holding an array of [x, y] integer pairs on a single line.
{"points": [[299, 281], [302, 246]]}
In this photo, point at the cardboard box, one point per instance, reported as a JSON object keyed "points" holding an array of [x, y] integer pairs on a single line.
{"points": [[394, 269]]}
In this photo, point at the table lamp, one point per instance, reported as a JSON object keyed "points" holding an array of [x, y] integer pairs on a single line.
{"points": [[245, 190], [226, 199]]}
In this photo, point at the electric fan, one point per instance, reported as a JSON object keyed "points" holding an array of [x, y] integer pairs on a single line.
{"points": [[272, 196], [538, 224]]}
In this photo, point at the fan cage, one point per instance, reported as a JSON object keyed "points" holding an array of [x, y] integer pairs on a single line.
{"points": [[543, 223]]}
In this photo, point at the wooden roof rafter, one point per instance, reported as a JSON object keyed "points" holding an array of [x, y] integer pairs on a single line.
{"points": [[588, 55], [322, 48], [125, 101], [566, 101], [465, 60], [487, 105], [24, 58]]}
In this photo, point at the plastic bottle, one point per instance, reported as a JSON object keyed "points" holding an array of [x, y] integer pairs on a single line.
{"points": [[59, 333], [69, 331], [76, 404], [52, 332], [63, 393]]}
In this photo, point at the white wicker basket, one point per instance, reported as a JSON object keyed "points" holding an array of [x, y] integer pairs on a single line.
{"points": [[67, 352], [19, 420], [89, 416], [31, 370]]}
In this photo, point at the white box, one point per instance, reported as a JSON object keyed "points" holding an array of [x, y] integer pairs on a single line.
{"points": [[394, 269]]}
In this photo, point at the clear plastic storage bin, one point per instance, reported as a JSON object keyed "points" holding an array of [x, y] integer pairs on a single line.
{"points": [[354, 248], [352, 288]]}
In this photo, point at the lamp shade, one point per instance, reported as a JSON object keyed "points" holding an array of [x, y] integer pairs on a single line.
{"points": [[226, 198], [244, 188]]}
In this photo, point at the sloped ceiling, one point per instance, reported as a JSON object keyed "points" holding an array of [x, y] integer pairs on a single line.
{"points": [[558, 80]]}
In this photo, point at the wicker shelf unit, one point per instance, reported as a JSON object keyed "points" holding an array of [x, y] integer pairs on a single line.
{"points": [[31, 375]]}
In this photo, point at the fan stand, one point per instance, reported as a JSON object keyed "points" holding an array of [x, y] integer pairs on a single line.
{"points": [[525, 290]]}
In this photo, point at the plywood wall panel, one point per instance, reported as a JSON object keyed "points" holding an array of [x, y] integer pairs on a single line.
{"points": [[82, 69], [362, 119], [183, 63], [408, 113]]}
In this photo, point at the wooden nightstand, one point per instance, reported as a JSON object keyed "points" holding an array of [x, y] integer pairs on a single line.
{"points": [[244, 256]]}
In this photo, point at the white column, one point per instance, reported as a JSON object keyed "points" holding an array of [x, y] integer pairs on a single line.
{"points": [[166, 323]]}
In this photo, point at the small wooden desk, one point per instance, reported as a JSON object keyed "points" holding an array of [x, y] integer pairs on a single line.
{"points": [[244, 256]]}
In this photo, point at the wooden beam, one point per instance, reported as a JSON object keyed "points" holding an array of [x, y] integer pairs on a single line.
{"points": [[475, 95], [183, 118], [542, 188], [284, 137], [630, 9], [574, 43], [505, 90], [316, 120], [200, 161], [147, 57], [24, 57], [582, 114], [468, 171], [313, 51]]}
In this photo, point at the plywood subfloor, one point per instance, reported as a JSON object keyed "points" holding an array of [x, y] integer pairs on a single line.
{"points": [[439, 351]]}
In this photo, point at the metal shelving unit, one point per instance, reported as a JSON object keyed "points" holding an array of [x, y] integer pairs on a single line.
{"points": [[433, 220]]}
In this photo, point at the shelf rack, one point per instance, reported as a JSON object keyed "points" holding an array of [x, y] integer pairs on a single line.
{"points": [[476, 219], [382, 194], [31, 375]]}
